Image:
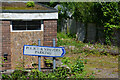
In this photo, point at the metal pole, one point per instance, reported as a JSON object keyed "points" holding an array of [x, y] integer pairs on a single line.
{"points": [[54, 57], [39, 57]]}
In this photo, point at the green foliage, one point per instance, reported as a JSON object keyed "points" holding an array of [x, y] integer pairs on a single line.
{"points": [[36, 74], [71, 35], [17, 74], [48, 62], [2, 61], [62, 72], [81, 11], [103, 13], [30, 4], [66, 60], [78, 67], [61, 37], [107, 15], [85, 61], [80, 47], [5, 77]]}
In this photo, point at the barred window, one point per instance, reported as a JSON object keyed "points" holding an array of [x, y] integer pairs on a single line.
{"points": [[26, 25]]}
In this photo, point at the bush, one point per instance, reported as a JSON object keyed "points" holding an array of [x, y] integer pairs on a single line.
{"points": [[17, 74], [78, 67], [36, 74], [66, 60], [5, 77], [62, 72], [30, 4]]}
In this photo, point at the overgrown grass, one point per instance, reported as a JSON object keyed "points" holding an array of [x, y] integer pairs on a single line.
{"points": [[74, 46], [93, 55]]}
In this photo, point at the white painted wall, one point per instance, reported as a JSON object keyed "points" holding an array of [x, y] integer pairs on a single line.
{"points": [[27, 16]]}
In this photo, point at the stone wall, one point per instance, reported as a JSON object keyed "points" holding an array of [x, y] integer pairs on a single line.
{"points": [[18, 40]]}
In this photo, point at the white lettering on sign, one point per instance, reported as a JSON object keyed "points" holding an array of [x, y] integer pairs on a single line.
{"points": [[43, 51]]}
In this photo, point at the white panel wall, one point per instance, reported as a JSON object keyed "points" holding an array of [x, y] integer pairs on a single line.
{"points": [[15, 16]]}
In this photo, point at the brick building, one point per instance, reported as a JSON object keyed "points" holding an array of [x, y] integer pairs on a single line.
{"points": [[21, 25]]}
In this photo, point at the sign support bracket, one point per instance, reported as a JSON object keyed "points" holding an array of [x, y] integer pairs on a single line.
{"points": [[54, 64]]}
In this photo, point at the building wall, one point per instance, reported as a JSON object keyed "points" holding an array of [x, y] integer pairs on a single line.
{"points": [[18, 40], [6, 44], [13, 43], [50, 32], [0, 45]]}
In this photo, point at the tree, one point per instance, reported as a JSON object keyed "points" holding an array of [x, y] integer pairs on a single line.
{"points": [[109, 17]]}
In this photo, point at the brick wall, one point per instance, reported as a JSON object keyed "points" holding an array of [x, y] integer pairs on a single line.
{"points": [[50, 32], [13, 42], [18, 40], [0, 45], [6, 44]]}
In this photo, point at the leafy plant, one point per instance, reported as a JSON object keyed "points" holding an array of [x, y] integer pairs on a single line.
{"points": [[66, 60], [62, 72], [48, 62], [85, 61], [30, 4], [78, 67], [109, 18], [4, 76], [17, 74], [2, 61]]}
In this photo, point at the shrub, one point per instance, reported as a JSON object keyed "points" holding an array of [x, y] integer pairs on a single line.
{"points": [[30, 4], [48, 62], [17, 74], [62, 72], [66, 60], [78, 67], [4, 76], [36, 74]]}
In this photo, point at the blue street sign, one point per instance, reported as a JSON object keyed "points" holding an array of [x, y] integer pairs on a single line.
{"points": [[43, 51]]}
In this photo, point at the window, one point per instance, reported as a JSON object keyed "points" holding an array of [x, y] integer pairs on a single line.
{"points": [[26, 25]]}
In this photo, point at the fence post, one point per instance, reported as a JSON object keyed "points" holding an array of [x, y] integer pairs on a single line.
{"points": [[54, 57], [39, 57]]}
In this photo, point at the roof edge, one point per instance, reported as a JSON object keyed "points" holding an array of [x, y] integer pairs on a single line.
{"points": [[28, 11]]}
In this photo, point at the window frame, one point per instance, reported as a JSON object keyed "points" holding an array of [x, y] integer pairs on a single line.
{"points": [[11, 27]]}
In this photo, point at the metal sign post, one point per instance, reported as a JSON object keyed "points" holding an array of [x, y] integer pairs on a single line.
{"points": [[39, 57], [54, 57]]}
